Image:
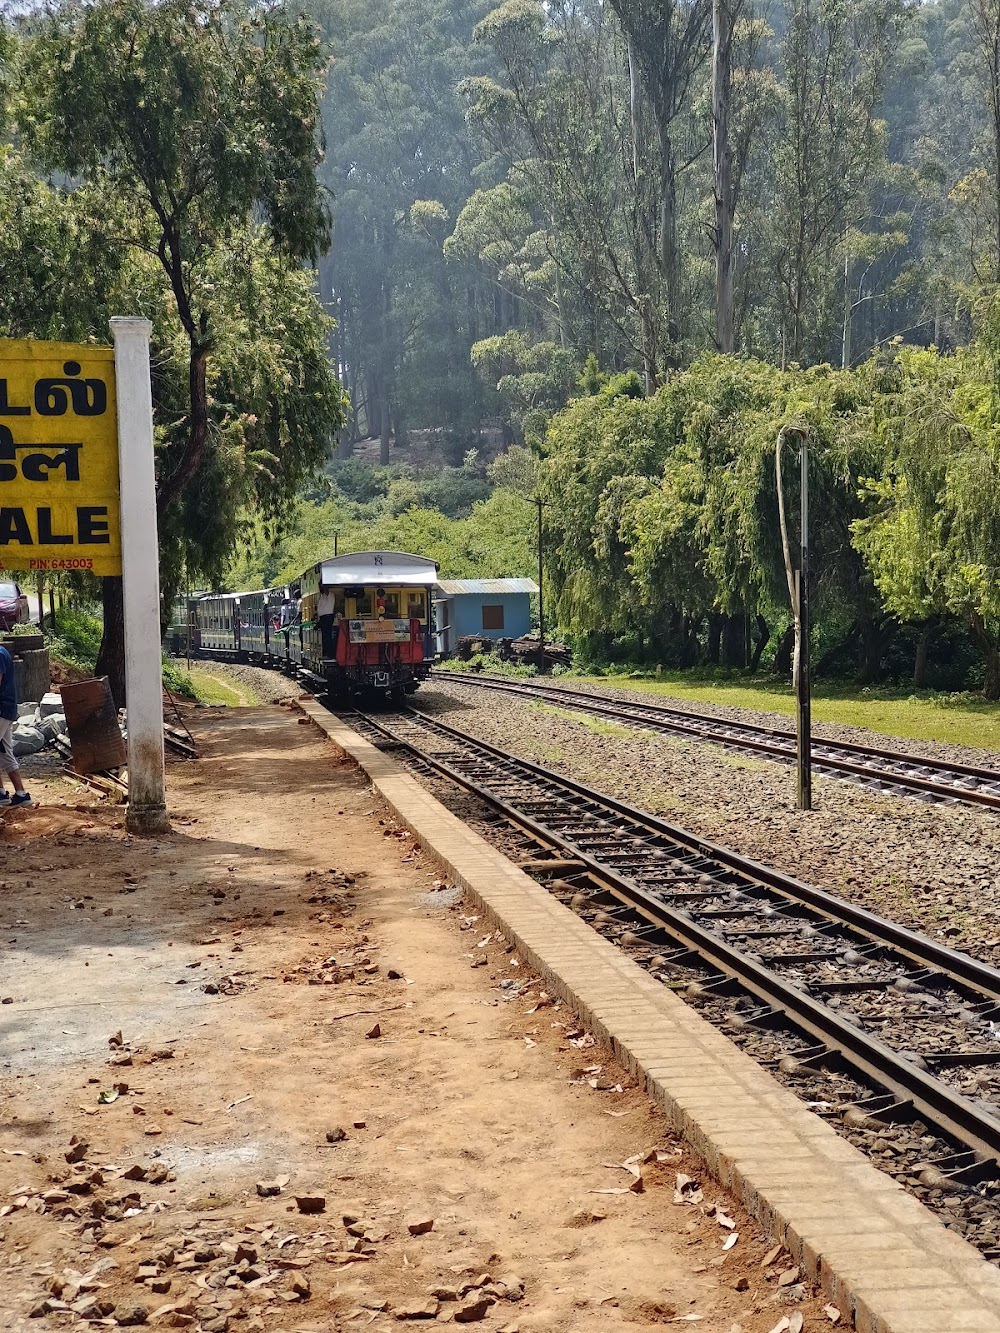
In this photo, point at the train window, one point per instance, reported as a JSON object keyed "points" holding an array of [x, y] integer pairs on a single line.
{"points": [[492, 617], [415, 605], [363, 603], [392, 605]]}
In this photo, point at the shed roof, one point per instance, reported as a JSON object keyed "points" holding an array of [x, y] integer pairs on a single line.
{"points": [[470, 587]]}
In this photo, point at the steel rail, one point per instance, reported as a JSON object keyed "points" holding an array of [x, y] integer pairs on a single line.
{"points": [[873, 764], [954, 1115]]}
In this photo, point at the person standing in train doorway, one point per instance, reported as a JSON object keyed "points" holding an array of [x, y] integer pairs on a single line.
{"points": [[325, 608], [8, 716]]}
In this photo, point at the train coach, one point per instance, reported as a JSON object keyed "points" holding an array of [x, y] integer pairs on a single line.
{"points": [[358, 624]]}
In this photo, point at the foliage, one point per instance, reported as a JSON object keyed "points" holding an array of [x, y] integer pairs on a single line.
{"points": [[492, 665], [468, 537], [78, 639], [192, 129]]}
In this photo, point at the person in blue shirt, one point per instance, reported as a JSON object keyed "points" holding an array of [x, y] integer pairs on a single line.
{"points": [[8, 716]]}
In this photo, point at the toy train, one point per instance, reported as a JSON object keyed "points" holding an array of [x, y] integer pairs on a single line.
{"points": [[359, 624]]}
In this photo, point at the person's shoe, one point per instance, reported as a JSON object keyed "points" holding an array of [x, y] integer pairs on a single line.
{"points": [[20, 798], [4, 797]]}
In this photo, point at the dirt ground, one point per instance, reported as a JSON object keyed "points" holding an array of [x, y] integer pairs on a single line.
{"points": [[267, 1073]]}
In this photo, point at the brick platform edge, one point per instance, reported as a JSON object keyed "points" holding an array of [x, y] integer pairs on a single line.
{"points": [[877, 1253]]}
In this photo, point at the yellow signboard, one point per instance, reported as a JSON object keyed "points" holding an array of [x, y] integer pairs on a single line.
{"points": [[58, 458]]}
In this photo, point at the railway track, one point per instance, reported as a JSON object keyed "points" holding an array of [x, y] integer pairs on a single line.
{"points": [[876, 769], [876, 1026]]}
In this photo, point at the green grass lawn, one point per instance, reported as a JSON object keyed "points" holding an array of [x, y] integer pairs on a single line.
{"points": [[959, 719], [208, 688]]}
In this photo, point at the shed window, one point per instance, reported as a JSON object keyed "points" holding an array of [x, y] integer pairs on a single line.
{"points": [[492, 617]]}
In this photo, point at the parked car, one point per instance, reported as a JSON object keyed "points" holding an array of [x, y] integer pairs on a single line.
{"points": [[13, 606]]}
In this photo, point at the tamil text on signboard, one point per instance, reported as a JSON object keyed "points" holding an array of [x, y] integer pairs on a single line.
{"points": [[58, 458]]}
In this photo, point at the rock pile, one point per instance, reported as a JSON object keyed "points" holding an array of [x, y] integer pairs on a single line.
{"points": [[38, 724]]}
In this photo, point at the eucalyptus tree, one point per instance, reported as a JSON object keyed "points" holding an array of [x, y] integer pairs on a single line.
{"points": [[668, 41], [400, 164], [560, 120], [829, 151]]}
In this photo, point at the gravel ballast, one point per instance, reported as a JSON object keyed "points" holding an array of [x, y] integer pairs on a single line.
{"points": [[932, 867]]}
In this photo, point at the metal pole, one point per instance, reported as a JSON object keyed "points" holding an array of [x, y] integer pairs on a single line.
{"points": [[803, 684], [52, 607], [336, 537], [147, 811], [40, 591], [541, 602]]}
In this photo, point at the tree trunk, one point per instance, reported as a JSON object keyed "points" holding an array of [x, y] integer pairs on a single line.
{"points": [[763, 639], [715, 624], [922, 655], [722, 73], [872, 648], [734, 641], [384, 434], [111, 658], [783, 653], [991, 685], [172, 487], [669, 257], [689, 642]]}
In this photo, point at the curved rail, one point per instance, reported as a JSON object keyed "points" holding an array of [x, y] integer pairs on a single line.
{"points": [[796, 949], [933, 779]]}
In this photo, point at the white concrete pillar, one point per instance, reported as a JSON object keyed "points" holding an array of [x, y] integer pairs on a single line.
{"points": [[147, 811]]}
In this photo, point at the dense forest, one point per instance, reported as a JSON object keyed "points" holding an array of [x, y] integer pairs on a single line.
{"points": [[413, 263], [519, 186]]}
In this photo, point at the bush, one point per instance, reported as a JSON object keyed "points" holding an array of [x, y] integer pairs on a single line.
{"points": [[77, 640], [177, 680]]}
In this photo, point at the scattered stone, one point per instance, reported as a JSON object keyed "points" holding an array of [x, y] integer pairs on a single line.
{"points": [[419, 1226], [311, 1203], [789, 1277], [268, 1189], [300, 1286], [336, 1135], [585, 1217], [77, 1150], [474, 1310], [376, 1031], [427, 1309]]}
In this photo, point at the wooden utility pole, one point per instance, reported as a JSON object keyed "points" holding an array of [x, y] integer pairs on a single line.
{"points": [[803, 682], [541, 596], [798, 590]]}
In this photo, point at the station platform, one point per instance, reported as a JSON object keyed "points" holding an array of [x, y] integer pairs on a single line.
{"points": [[884, 1262]]}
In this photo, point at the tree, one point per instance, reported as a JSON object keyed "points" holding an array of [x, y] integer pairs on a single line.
{"points": [[830, 150], [196, 121], [667, 45]]}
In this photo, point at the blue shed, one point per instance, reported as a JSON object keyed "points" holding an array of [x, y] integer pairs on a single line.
{"points": [[495, 608]]}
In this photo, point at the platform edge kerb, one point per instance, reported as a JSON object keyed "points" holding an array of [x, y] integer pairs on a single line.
{"points": [[516, 905]]}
